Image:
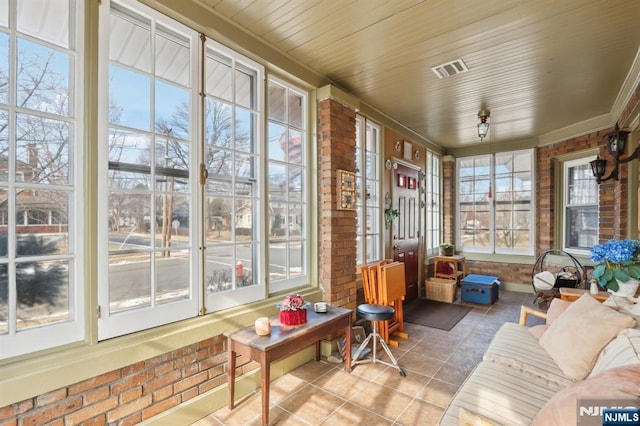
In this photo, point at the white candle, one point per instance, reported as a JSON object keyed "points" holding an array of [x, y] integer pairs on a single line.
{"points": [[263, 326]]}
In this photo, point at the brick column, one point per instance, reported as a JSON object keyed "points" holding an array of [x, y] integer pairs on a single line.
{"points": [[449, 202], [337, 246], [545, 199]]}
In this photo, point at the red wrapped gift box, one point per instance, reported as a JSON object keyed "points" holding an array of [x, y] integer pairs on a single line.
{"points": [[296, 317]]}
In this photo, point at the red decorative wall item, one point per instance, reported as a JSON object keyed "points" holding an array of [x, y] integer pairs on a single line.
{"points": [[293, 317]]}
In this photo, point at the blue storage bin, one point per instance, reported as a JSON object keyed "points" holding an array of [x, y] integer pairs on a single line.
{"points": [[482, 289]]}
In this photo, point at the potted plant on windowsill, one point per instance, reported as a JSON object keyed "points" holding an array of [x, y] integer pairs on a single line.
{"points": [[617, 266], [447, 249]]}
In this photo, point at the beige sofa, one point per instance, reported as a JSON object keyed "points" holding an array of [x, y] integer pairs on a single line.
{"points": [[536, 375]]}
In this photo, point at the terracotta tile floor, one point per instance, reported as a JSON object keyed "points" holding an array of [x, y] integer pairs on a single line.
{"points": [[436, 363]]}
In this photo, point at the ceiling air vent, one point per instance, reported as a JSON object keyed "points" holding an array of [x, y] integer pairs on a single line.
{"points": [[450, 68]]}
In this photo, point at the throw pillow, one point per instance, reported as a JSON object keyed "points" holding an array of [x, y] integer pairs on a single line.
{"points": [[617, 383], [538, 330], [623, 350], [556, 308], [575, 339]]}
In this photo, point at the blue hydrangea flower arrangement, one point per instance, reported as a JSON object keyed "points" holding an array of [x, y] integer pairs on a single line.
{"points": [[616, 260]]}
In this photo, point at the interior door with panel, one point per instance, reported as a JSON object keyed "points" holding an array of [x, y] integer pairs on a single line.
{"points": [[406, 228]]}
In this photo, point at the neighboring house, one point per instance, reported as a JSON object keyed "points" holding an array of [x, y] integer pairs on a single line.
{"points": [[36, 212]]}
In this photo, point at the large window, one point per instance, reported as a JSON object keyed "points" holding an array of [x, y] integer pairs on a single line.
{"points": [[580, 196], [149, 144], [232, 222], [40, 175], [287, 173], [495, 203], [185, 221], [434, 204], [368, 190]]}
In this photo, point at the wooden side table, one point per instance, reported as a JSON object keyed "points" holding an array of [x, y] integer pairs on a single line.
{"points": [[572, 294], [284, 340], [459, 266]]}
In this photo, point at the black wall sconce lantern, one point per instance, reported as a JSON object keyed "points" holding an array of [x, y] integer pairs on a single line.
{"points": [[617, 142]]}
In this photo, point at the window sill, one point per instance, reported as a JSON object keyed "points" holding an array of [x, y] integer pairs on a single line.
{"points": [[493, 257], [500, 257]]}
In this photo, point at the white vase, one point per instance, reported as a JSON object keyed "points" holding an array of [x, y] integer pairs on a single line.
{"points": [[626, 289]]}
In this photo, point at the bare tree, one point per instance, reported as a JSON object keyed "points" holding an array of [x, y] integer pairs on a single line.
{"points": [[43, 130]]}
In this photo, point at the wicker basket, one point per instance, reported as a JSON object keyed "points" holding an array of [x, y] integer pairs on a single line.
{"points": [[440, 289]]}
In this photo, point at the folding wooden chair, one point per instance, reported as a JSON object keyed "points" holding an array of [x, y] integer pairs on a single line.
{"points": [[370, 274], [370, 280], [391, 292]]}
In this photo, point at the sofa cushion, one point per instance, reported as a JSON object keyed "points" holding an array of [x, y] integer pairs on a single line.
{"points": [[538, 330], [469, 418], [575, 339], [501, 395], [623, 350], [514, 346], [613, 384], [556, 308]]}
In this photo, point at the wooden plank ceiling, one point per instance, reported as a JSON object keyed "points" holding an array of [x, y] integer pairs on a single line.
{"points": [[537, 65]]}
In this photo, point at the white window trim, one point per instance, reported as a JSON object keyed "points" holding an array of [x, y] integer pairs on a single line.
{"points": [[304, 278], [120, 323], [58, 334], [362, 208], [433, 247], [492, 249], [243, 295], [565, 197], [532, 208], [459, 227]]}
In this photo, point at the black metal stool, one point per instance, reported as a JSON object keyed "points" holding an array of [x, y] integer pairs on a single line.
{"points": [[375, 313]]}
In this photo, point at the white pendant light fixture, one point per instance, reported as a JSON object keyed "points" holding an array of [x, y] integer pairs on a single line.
{"points": [[483, 125]]}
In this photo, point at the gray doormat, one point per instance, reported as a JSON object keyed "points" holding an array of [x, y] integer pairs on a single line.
{"points": [[434, 314]]}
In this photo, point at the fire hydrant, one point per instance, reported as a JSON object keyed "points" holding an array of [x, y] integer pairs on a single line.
{"points": [[239, 268]]}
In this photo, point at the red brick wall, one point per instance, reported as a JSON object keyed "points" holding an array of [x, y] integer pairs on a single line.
{"points": [[337, 252], [631, 107], [519, 273], [613, 205], [131, 394], [613, 194], [449, 202]]}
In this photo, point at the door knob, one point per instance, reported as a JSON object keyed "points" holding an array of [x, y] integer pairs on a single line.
{"points": [[396, 247]]}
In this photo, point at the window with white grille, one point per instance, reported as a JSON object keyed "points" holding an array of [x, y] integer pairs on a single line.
{"points": [[41, 154]]}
